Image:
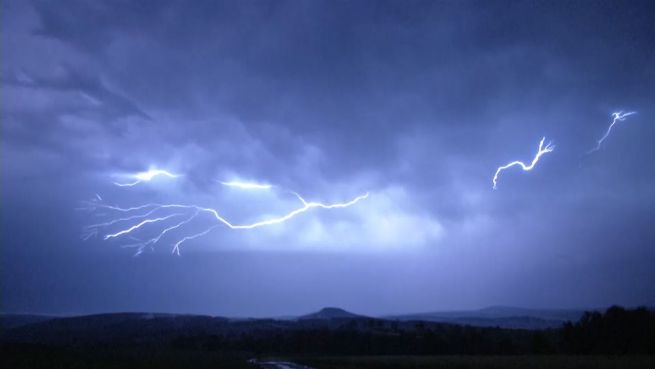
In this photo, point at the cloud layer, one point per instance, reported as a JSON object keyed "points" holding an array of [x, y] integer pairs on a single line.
{"points": [[417, 103]]}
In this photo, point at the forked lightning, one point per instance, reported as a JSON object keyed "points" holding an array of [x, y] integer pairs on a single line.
{"points": [[542, 150]]}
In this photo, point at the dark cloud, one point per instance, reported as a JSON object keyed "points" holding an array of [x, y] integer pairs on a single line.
{"points": [[416, 102]]}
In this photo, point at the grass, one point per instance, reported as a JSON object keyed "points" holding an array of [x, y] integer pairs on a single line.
{"points": [[35, 357], [478, 362], [114, 358]]}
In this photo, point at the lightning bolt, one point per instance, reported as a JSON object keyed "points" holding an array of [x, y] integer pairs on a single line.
{"points": [[146, 176], [616, 117], [542, 150], [148, 215], [139, 225]]}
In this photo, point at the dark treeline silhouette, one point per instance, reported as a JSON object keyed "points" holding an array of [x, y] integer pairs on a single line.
{"points": [[364, 337], [616, 331]]}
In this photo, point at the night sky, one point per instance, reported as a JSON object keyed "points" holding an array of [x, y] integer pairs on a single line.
{"points": [[415, 103]]}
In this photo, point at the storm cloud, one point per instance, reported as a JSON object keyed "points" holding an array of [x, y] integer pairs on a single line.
{"points": [[415, 102]]}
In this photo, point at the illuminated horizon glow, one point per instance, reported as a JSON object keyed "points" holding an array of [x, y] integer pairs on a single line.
{"points": [[193, 212], [616, 117], [542, 150], [147, 176]]}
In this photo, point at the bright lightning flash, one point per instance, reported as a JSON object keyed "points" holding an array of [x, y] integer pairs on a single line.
{"points": [[542, 150], [146, 176], [140, 217], [247, 185], [616, 117]]}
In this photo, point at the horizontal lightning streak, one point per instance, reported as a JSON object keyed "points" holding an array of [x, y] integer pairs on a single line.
{"points": [[114, 221], [176, 246], [146, 177], [247, 185], [141, 245], [178, 225], [307, 206], [153, 207], [137, 226]]}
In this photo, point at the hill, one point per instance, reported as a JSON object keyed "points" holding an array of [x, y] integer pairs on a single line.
{"points": [[499, 316], [331, 313], [8, 321]]}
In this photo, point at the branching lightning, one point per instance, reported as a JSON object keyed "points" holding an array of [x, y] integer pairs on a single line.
{"points": [[542, 150], [146, 176], [138, 218], [616, 117]]}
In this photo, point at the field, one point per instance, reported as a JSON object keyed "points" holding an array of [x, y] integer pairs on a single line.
{"points": [[479, 362], [165, 358], [115, 358]]}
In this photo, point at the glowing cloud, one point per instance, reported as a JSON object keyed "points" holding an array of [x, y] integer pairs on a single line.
{"points": [[146, 177], [247, 185], [616, 117], [542, 150]]}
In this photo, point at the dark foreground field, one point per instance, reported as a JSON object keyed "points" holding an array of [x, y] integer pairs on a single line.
{"points": [[159, 358], [29, 357], [479, 362]]}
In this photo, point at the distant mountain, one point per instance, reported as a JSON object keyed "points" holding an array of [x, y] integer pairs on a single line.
{"points": [[546, 314], [108, 327], [113, 327], [8, 321], [330, 313], [152, 328], [499, 316]]}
